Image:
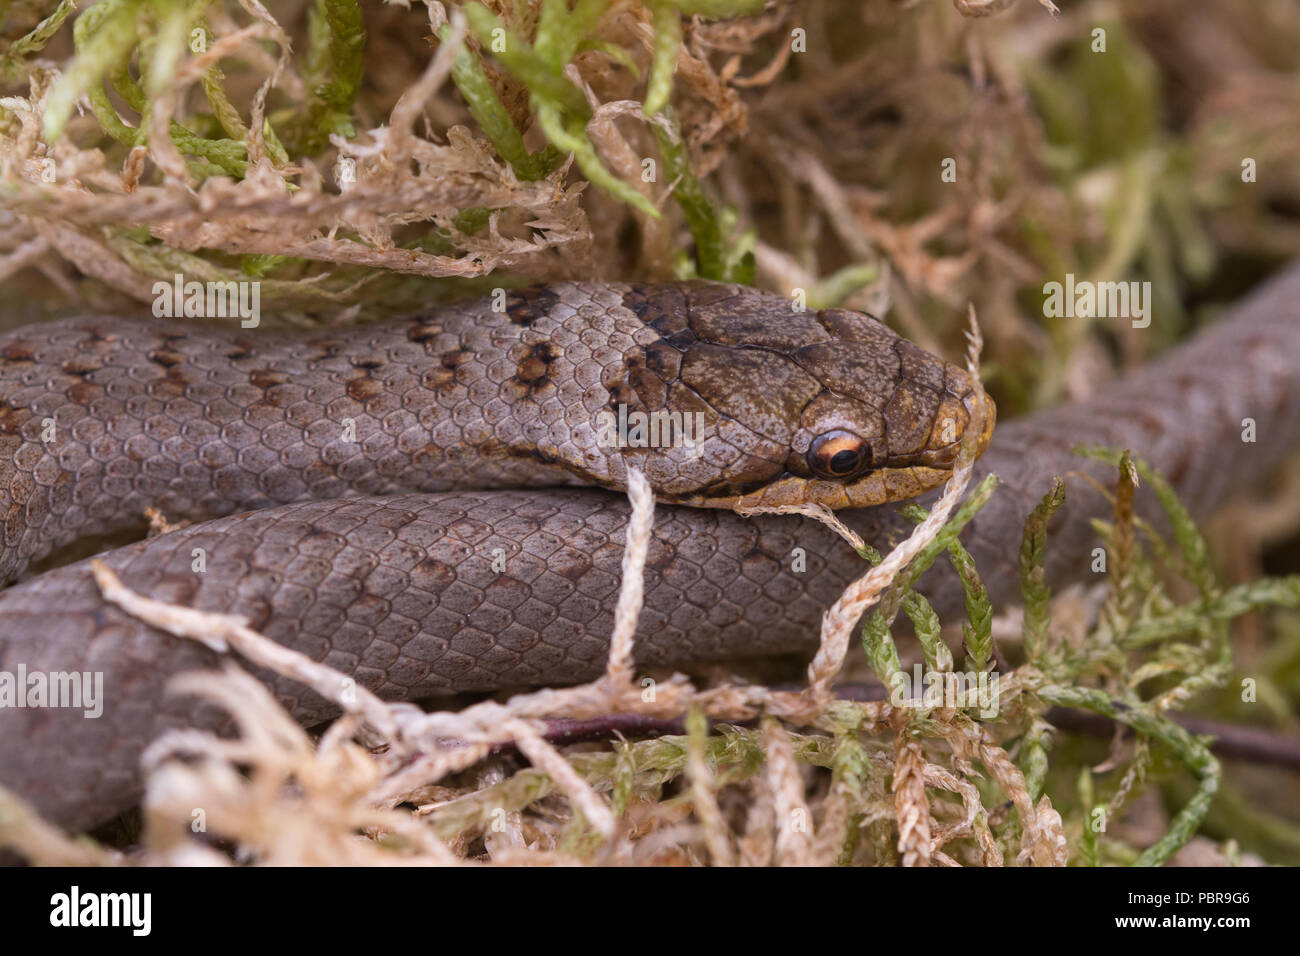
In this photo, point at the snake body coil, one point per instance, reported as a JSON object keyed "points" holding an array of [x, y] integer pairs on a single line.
{"points": [[364, 558]]}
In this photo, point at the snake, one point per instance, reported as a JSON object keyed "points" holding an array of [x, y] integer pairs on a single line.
{"points": [[434, 504]]}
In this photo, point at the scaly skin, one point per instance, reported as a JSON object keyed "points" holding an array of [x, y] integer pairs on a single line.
{"points": [[400, 592], [101, 418]]}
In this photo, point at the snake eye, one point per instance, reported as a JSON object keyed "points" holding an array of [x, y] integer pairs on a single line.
{"points": [[838, 455]]}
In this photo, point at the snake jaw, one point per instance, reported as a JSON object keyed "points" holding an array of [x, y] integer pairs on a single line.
{"points": [[879, 487]]}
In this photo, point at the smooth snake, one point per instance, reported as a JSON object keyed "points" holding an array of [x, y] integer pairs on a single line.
{"points": [[395, 469]]}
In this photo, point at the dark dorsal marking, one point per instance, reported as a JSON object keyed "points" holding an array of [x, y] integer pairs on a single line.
{"points": [[526, 306], [455, 358], [534, 369], [265, 378], [424, 329], [11, 419], [81, 366], [662, 307], [166, 357]]}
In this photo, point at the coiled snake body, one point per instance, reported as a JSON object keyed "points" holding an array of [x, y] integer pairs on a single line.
{"points": [[363, 554]]}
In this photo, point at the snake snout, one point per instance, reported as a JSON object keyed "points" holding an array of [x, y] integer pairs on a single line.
{"points": [[952, 424], [972, 403]]}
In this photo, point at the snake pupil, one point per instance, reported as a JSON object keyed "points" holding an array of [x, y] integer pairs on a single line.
{"points": [[844, 462], [838, 455]]}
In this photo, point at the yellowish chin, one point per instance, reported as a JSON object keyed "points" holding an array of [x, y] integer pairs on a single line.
{"points": [[878, 488]]}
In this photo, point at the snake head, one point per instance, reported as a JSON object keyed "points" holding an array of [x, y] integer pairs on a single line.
{"points": [[825, 407], [837, 461]]}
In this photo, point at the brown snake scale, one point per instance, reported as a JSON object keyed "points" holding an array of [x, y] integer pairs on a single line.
{"points": [[389, 576]]}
